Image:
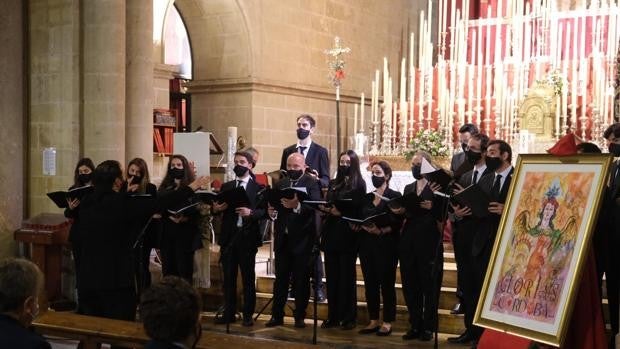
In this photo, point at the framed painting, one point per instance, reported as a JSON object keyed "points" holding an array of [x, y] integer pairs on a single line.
{"points": [[541, 245]]}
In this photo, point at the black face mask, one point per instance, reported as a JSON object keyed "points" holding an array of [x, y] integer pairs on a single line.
{"points": [[614, 148], [493, 163], [294, 174], [302, 133], [473, 156], [343, 170], [177, 173], [240, 171], [136, 180], [464, 146], [377, 181], [415, 171], [84, 178]]}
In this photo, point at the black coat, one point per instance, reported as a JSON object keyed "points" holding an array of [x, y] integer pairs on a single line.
{"points": [[420, 233], [248, 236], [487, 227], [296, 232], [15, 336], [317, 159], [107, 222]]}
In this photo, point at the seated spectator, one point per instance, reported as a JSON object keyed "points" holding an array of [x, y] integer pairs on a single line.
{"points": [[170, 312], [21, 281]]}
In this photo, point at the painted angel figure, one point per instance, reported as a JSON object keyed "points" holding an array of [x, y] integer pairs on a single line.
{"points": [[547, 245]]}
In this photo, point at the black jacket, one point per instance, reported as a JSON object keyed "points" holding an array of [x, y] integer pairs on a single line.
{"points": [[248, 235], [316, 158], [296, 232], [15, 336], [336, 234], [107, 222]]}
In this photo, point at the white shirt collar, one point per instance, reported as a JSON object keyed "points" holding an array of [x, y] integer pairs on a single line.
{"points": [[480, 168], [244, 180], [307, 146], [505, 172]]}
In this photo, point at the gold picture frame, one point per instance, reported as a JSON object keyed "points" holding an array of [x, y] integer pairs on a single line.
{"points": [[542, 244]]}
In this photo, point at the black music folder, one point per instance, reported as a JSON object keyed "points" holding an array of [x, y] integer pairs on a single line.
{"points": [[381, 219], [236, 197], [475, 198], [185, 210], [274, 196], [60, 197]]}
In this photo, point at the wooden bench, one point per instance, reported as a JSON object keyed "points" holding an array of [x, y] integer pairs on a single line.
{"points": [[94, 330]]}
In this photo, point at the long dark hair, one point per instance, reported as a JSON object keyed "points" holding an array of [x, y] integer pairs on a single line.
{"points": [[168, 182], [144, 171], [355, 174], [76, 173]]}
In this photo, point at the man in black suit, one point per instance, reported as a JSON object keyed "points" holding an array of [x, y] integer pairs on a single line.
{"points": [[317, 161], [607, 238], [20, 284], [239, 241], [495, 184], [315, 155], [295, 237], [463, 229]]}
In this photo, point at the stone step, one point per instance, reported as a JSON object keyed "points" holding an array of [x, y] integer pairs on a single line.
{"points": [[448, 323], [447, 297]]}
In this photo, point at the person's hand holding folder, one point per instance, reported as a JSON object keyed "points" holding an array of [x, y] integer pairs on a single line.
{"points": [[461, 211], [219, 207], [496, 207], [243, 211], [457, 188], [73, 203], [290, 203], [372, 229]]}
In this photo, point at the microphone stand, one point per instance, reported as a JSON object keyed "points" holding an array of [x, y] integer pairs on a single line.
{"points": [[139, 245]]}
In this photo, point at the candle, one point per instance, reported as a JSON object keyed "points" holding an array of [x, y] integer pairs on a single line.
{"points": [[403, 80], [355, 119], [362, 105]]}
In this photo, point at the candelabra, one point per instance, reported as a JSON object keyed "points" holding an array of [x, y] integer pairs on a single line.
{"points": [[597, 125], [374, 145], [402, 145]]}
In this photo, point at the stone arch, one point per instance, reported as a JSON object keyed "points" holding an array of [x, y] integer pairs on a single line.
{"points": [[220, 38]]}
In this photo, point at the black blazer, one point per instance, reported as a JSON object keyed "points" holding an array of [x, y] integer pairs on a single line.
{"points": [[336, 234], [107, 219], [296, 232], [487, 229], [316, 158], [420, 233], [15, 336], [457, 160], [249, 234]]}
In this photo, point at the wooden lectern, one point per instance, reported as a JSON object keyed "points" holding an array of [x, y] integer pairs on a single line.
{"points": [[44, 236]]}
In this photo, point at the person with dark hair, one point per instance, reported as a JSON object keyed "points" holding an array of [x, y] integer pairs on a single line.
{"points": [[339, 244], [82, 176], [317, 160], [21, 281], [239, 240], [495, 184], [180, 234], [170, 314], [463, 229], [607, 238], [465, 132], [420, 252], [588, 148], [139, 182], [106, 274], [294, 240], [378, 253]]}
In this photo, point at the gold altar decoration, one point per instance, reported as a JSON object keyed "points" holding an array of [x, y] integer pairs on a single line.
{"points": [[537, 111]]}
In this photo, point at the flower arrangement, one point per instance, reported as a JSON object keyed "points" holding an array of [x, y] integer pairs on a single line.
{"points": [[430, 141], [555, 80]]}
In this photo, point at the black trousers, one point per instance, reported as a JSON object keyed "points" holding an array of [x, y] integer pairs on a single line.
{"points": [[480, 264], [421, 279], [234, 259], [460, 252], [379, 258], [117, 304], [296, 267], [466, 274], [177, 261], [341, 286], [612, 274]]}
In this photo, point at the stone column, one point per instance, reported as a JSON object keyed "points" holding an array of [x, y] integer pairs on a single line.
{"points": [[103, 79], [12, 132], [139, 78]]}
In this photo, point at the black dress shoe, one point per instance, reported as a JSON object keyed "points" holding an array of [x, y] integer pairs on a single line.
{"points": [[223, 320], [464, 338], [369, 330], [247, 321], [320, 296], [411, 334], [299, 323], [329, 324], [457, 309], [426, 336], [381, 333], [349, 325], [274, 322]]}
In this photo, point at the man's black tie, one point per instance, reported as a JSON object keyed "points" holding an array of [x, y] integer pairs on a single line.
{"points": [[301, 149], [475, 177], [239, 183], [496, 186]]}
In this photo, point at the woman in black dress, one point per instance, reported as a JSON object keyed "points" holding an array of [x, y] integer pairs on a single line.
{"points": [[421, 253], [339, 244], [378, 253]]}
